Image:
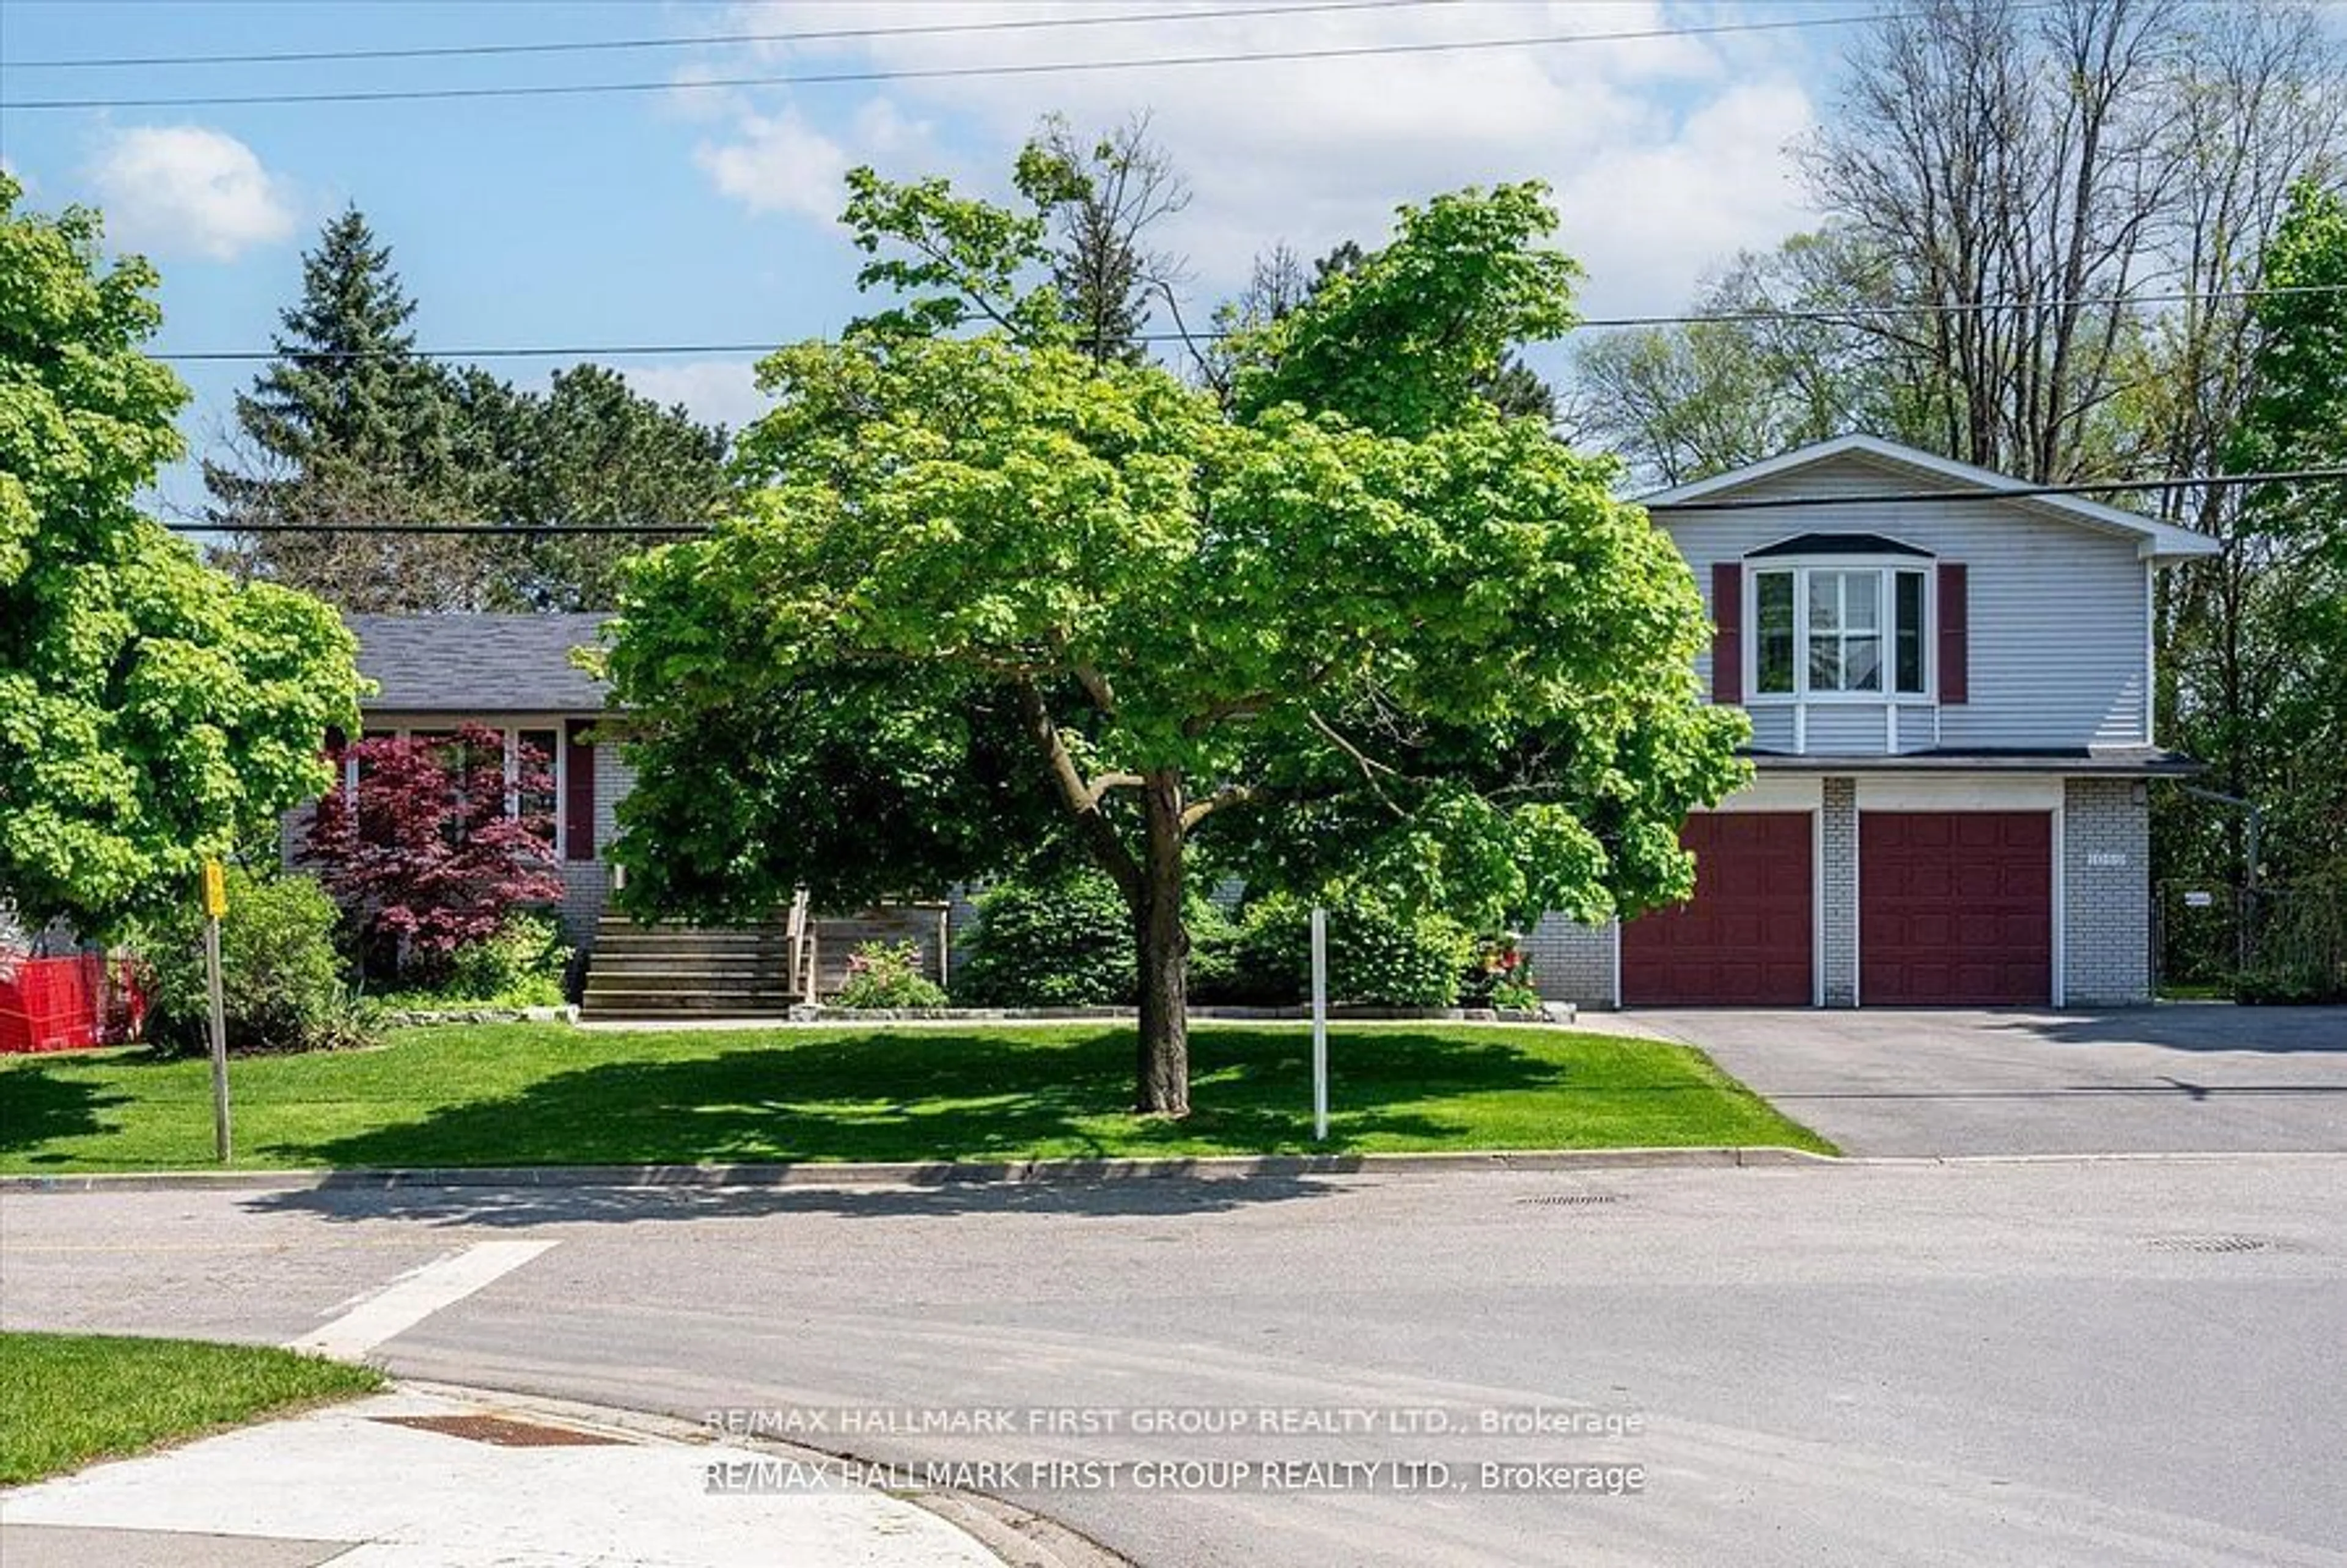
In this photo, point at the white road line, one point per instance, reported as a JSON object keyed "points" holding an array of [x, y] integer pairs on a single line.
{"points": [[416, 1296]]}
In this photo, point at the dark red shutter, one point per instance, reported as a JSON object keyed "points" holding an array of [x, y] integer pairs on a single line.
{"points": [[578, 791], [1955, 635], [1727, 638]]}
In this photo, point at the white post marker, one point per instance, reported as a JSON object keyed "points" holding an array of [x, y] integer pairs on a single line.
{"points": [[216, 906], [1320, 1024]]}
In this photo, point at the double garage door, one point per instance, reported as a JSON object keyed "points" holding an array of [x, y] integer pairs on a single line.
{"points": [[1954, 909]]}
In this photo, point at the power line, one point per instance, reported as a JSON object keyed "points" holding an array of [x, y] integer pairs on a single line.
{"points": [[935, 72], [1772, 503], [712, 40], [1589, 323]]}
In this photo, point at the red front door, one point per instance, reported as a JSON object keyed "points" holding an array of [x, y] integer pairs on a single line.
{"points": [[1745, 939], [1956, 908]]}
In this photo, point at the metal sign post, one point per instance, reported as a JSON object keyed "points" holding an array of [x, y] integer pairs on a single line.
{"points": [[216, 906], [1320, 1024]]}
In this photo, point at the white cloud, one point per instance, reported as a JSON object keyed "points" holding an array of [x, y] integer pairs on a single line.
{"points": [[188, 188], [717, 391], [781, 163], [1666, 153], [777, 163]]}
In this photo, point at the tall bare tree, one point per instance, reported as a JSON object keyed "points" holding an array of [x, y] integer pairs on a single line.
{"points": [[1113, 190], [2009, 161]]}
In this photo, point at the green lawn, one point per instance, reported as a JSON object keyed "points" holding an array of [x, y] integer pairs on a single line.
{"points": [[68, 1399], [518, 1094]]}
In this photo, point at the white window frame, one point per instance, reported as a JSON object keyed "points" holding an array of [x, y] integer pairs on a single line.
{"points": [[1799, 568], [512, 731]]}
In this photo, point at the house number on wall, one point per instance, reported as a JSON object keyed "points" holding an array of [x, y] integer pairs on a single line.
{"points": [[2105, 857]]}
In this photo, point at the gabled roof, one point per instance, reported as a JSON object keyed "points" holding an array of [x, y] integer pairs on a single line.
{"points": [[477, 664], [2155, 539]]}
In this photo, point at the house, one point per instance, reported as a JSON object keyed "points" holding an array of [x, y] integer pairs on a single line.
{"points": [[1953, 741], [514, 674], [1951, 689]]}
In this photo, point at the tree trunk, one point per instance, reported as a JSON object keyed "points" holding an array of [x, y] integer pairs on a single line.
{"points": [[1164, 949]]}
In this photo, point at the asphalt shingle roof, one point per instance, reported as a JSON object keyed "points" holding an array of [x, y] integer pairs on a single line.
{"points": [[477, 664]]}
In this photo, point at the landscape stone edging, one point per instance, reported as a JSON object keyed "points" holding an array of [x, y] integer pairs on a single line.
{"points": [[942, 1173], [805, 1012], [417, 1017]]}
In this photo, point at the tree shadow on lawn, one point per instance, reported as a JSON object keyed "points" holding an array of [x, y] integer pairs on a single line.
{"points": [[39, 1105], [933, 1096]]}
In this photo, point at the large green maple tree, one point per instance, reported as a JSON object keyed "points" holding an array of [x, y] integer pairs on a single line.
{"points": [[151, 713], [1351, 630]]}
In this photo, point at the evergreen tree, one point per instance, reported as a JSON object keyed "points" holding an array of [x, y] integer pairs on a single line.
{"points": [[348, 426], [589, 452]]}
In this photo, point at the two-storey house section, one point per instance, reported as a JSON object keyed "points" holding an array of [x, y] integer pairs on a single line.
{"points": [[1951, 689]]}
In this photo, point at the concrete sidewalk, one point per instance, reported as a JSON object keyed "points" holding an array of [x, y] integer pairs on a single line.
{"points": [[418, 1478]]}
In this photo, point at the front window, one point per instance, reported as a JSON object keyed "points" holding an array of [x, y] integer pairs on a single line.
{"points": [[533, 764], [1909, 651], [1822, 631], [1845, 631], [1777, 648]]}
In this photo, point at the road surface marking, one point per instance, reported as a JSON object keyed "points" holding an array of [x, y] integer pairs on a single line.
{"points": [[416, 1296]]}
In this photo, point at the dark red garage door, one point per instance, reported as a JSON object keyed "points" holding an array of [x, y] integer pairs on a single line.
{"points": [[1744, 940], [1956, 908]]}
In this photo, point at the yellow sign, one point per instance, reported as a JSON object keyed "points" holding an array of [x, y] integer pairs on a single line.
{"points": [[215, 890]]}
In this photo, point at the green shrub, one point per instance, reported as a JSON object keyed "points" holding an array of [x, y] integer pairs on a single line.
{"points": [[520, 964], [1061, 941], [1215, 975], [882, 975], [2299, 986], [1376, 958], [280, 977]]}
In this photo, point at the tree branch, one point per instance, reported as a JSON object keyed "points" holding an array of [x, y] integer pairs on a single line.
{"points": [[1100, 834], [1100, 787], [1229, 794], [1368, 765]]}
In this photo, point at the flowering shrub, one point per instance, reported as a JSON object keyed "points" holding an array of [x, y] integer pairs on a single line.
{"points": [[437, 848], [1503, 979], [882, 975]]}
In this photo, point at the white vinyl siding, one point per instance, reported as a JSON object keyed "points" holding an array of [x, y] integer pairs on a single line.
{"points": [[2058, 622]]}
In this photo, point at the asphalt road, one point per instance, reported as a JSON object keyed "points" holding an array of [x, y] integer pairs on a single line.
{"points": [[2110, 1362], [2180, 1078]]}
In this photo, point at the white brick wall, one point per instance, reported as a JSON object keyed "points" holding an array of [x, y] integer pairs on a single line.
{"points": [[1838, 892], [2106, 893], [1572, 962]]}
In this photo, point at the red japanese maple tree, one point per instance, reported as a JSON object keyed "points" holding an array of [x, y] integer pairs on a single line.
{"points": [[440, 844]]}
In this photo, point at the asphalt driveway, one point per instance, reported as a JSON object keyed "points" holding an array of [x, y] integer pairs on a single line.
{"points": [[2181, 1078]]}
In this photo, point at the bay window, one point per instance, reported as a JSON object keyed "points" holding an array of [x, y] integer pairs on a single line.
{"points": [[1833, 630]]}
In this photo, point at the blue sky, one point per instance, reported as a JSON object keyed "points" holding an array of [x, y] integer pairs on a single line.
{"points": [[682, 216]]}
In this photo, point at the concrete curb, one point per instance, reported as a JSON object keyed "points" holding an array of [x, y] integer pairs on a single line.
{"points": [[1209, 1167], [1019, 1536]]}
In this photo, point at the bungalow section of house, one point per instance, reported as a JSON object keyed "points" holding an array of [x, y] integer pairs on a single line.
{"points": [[1953, 737], [514, 674]]}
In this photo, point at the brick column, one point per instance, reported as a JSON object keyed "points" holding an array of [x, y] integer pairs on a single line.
{"points": [[2106, 893], [1837, 895]]}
